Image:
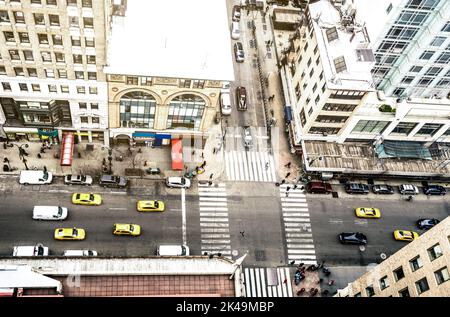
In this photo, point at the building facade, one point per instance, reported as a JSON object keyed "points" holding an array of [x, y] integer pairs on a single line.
{"points": [[420, 269], [52, 54]]}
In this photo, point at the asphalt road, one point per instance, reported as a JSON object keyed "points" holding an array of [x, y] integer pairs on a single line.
{"points": [[331, 216]]}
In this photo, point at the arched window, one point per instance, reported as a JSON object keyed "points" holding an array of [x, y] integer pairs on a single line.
{"points": [[137, 110], [186, 111]]}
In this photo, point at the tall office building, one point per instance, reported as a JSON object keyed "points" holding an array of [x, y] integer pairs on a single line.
{"points": [[411, 43], [52, 54]]}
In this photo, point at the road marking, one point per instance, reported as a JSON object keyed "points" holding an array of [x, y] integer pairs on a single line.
{"points": [[213, 214], [300, 251], [361, 222], [214, 219], [214, 230], [213, 224], [183, 207], [118, 208], [339, 221], [57, 191]]}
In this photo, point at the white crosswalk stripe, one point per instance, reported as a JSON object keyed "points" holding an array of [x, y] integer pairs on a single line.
{"points": [[250, 166], [297, 225], [214, 227], [258, 283]]}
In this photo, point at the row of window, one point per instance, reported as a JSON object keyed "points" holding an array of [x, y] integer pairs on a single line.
{"points": [[403, 128], [49, 73], [94, 120], [51, 88], [45, 19], [84, 3], [44, 39], [50, 57]]}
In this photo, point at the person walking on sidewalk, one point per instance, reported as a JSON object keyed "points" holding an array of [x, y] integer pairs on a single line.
{"points": [[211, 176], [288, 165], [267, 166], [287, 175]]}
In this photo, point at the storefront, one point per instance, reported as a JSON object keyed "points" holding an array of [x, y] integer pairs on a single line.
{"points": [[22, 134]]}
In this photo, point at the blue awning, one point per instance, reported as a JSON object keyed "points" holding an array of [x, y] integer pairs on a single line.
{"points": [[143, 135], [53, 133], [288, 113], [163, 136]]}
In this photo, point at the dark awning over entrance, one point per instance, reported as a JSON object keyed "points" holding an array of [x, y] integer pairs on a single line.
{"points": [[402, 149]]}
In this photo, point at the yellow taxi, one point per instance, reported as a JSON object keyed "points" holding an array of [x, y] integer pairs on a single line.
{"points": [[126, 229], [150, 205], [367, 212], [86, 199], [405, 235], [70, 234]]}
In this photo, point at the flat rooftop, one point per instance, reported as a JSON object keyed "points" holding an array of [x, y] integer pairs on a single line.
{"points": [[176, 39]]}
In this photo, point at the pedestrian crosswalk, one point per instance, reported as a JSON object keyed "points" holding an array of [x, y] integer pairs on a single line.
{"points": [[250, 166], [297, 226], [267, 282], [214, 229]]}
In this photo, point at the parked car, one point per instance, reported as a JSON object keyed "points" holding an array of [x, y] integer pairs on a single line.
{"points": [[225, 103], [241, 98], [352, 238], [434, 190], [35, 177], [78, 180], [235, 32], [405, 235], [239, 52], [180, 182], [172, 250], [367, 212], [408, 189], [236, 13], [383, 189], [37, 250], [113, 181], [247, 137], [427, 223], [153, 170], [318, 188], [356, 188], [80, 253]]}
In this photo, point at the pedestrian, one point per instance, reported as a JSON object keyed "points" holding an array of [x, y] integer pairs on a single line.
{"points": [[267, 166], [203, 156], [273, 97], [285, 281], [287, 175], [210, 183], [288, 188], [214, 151], [39, 155], [193, 152], [211, 176], [292, 262], [283, 181], [5, 160], [287, 194], [145, 163], [331, 282], [295, 186], [288, 165], [242, 233], [204, 164]]}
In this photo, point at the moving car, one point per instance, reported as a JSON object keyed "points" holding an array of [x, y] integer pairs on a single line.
{"points": [[225, 103], [367, 212], [37, 250], [70, 234], [172, 250], [78, 180], [383, 189], [113, 181], [180, 182], [241, 98], [239, 52], [80, 253], [35, 177], [405, 235], [49, 213], [236, 13], [427, 223], [126, 229], [150, 205], [318, 188], [247, 137], [356, 188], [352, 238], [235, 32], [86, 199], [408, 189], [434, 190]]}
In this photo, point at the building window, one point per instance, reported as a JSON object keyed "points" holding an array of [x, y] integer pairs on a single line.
{"points": [[32, 72], [186, 111], [305, 47], [324, 87], [2, 70], [19, 71], [49, 73], [446, 27], [422, 4], [92, 76], [324, 130], [137, 110], [434, 252], [36, 2], [88, 23], [309, 62], [407, 80], [77, 59], [429, 129], [89, 42], [370, 291], [54, 19], [71, 2], [86, 3], [416, 69], [441, 275], [332, 34], [90, 59], [298, 92], [443, 83], [19, 17], [52, 88], [357, 295], [425, 81], [444, 58], [415, 263], [318, 60], [79, 74], [184, 83], [93, 90], [437, 41], [94, 106], [64, 89], [339, 64], [311, 73], [76, 41], [23, 37], [36, 87], [331, 119], [43, 38], [82, 105], [81, 89], [433, 71], [51, 2], [46, 56], [14, 54], [23, 87], [422, 285], [404, 127], [317, 99], [316, 49], [6, 86], [84, 119], [384, 283], [399, 274], [59, 57], [199, 84], [132, 80], [427, 55], [404, 292], [95, 120], [389, 8], [57, 39], [302, 117], [74, 22], [9, 36], [62, 73], [4, 17], [146, 81], [39, 19], [370, 126]]}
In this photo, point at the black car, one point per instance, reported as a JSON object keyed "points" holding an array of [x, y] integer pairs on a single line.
{"points": [[434, 190], [113, 181], [352, 238], [427, 223], [356, 188], [383, 189]]}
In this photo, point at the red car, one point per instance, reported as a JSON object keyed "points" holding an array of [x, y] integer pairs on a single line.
{"points": [[319, 188]]}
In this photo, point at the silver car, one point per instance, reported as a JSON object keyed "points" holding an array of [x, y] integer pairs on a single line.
{"points": [[247, 138], [78, 180]]}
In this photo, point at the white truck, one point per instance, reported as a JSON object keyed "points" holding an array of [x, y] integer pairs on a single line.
{"points": [[35, 177], [37, 250]]}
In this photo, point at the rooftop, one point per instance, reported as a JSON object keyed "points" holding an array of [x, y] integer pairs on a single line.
{"points": [[176, 39], [342, 34]]}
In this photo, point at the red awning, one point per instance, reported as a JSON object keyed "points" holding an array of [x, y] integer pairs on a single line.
{"points": [[67, 149], [177, 155]]}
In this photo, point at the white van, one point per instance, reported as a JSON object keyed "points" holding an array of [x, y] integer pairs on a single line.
{"points": [[173, 250], [35, 177], [80, 253], [37, 250], [49, 213]]}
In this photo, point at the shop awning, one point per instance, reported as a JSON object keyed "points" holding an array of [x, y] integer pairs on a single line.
{"points": [[53, 133], [287, 113], [177, 155], [67, 149], [143, 135]]}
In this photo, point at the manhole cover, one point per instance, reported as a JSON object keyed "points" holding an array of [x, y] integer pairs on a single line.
{"points": [[260, 255]]}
